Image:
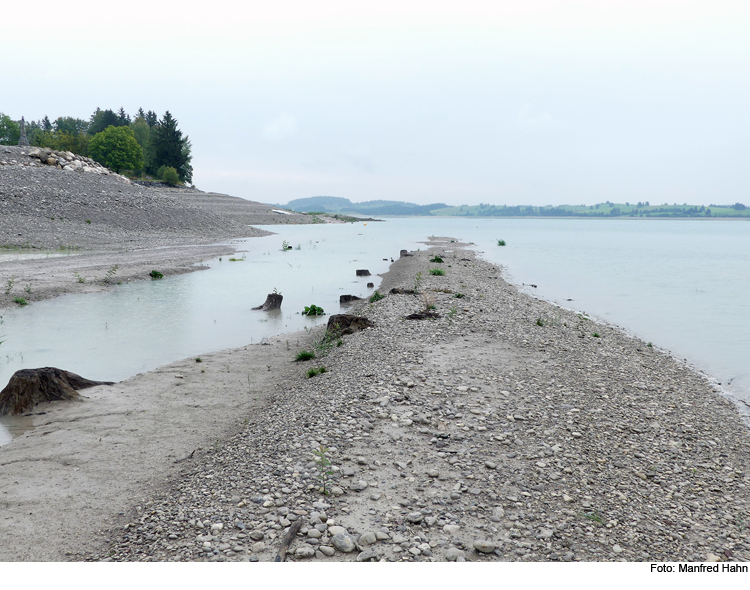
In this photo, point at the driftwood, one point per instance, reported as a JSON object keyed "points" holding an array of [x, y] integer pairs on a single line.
{"points": [[342, 324], [29, 387], [363, 272], [370, 285], [286, 541], [423, 315], [400, 291], [273, 301], [348, 298]]}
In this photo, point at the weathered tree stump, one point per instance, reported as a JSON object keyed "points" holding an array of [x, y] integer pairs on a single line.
{"points": [[28, 387], [370, 285], [348, 298], [363, 272], [404, 253], [273, 301], [342, 323]]}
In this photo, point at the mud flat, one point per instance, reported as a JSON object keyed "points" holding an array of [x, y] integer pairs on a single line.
{"points": [[506, 429]]}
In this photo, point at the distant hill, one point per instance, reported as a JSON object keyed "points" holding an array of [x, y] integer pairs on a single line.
{"points": [[602, 210]]}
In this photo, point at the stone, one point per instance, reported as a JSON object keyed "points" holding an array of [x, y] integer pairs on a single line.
{"points": [[304, 551], [617, 549], [367, 555], [336, 530], [314, 534], [342, 324], [326, 550], [348, 298], [258, 547], [359, 486], [454, 554], [257, 535], [367, 538], [363, 272], [451, 529], [415, 517], [485, 546], [343, 543]]}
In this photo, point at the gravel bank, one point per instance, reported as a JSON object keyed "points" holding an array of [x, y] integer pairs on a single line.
{"points": [[102, 220], [506, 429]]}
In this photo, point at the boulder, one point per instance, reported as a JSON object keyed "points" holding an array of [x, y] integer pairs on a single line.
{"points": [[28, 387], [342, 324], [273, 301], [404, 253]]}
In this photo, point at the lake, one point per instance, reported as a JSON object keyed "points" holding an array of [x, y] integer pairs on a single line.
{"points": [[681, 284]]}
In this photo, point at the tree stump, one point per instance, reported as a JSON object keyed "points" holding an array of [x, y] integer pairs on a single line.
{"points": [[363, 272], [273, 301], [29, 387], [341, 324], [348, 299]]}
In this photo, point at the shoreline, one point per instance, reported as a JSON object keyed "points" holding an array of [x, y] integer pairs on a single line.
{"points": [[476, 436]]}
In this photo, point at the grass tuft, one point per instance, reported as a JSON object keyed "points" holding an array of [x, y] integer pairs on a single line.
{"points": [[438, 272], [305, 355]]}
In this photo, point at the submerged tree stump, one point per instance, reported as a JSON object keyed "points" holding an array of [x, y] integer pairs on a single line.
{"points": [[29, 387], [342, 324], [348, 298], [363, 272], [273, 301]]}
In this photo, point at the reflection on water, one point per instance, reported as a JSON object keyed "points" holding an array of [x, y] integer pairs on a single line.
{"points": [[12, 254]]}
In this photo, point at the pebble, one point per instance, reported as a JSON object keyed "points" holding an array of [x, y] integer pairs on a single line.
{"points": [[304, 551], [343, 543], [485, 546], [367, 538], [454, 554], [415, 517]]}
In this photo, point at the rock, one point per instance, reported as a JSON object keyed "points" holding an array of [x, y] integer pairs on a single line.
{"points": [[617, 549], [257, 535], [258, 547], [304, 551], [485, 546], [363, 272], [415, 517], [336, 530], [273, 301], [359, 486], [451, 529], [367, 539], [326, 550], [367, 555], [454, 554], [370, 285], [343, 543]]}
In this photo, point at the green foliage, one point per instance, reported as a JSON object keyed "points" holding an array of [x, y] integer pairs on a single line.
{"points": [[9, 284], [100, 120], [111, 273], [155, 275], [117, 148], [459, 295], [285, 246], [324, 468], [439, 272], [313, 372], [539, 322], [596, 335], [21, 301], [436, 259], [169, 175], [198, 359], [313, 310], [10, 131], [501, 242], [79, 278], [304, 355], [142, 134], [376, 296], [170, 148], [418, 281]]}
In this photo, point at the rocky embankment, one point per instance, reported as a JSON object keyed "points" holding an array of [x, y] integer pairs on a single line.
{"points": [[503, 429]]}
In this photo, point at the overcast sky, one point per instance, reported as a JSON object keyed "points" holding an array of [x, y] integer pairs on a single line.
{"points": [[532, 102]]}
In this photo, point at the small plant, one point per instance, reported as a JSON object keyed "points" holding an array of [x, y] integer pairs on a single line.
{"points": [[88, 221], [428, 301], [376, 296], [313, 310], [285, 246], [275, 292], [650, 345], [436, 259], [312, 372], [155, 275], [79, 278], [21, 301], [324, 468], [9, 284], [111, 273], [596, 335], [299, 247], [27, 288], [459, 296], [236, 259], [418, 282], [198, 359], [501, 242], [304, 355], [438, 272], [539, 322], [594, 516], [452, 312]]}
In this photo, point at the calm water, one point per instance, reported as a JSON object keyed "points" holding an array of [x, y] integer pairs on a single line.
{"points": [[681, 284]]}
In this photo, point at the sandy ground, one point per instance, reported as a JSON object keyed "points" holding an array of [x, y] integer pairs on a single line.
{"points": [[82, 465]]}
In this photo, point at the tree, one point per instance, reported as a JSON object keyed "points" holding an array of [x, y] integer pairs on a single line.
{"points": [[122, 117], [46, 125], [70, 125], [152, 119], [100, 120], [171, 149], [10, 131], [117, 148], [142, 134]]}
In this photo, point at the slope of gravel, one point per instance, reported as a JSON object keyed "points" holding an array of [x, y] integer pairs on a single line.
{"points": [[506, 429], [46, 207]]}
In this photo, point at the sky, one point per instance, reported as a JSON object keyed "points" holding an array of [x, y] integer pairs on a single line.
{"points": [[532, 103]]}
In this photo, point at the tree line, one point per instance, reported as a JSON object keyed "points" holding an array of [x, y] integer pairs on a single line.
{"points": [[142, 144]]}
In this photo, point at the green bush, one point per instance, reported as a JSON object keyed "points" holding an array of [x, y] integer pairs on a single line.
{"points": [[439, 272], [155, 274], [313, 310], [117, 148], [305, 355], [170, 175], [376, 297]]}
